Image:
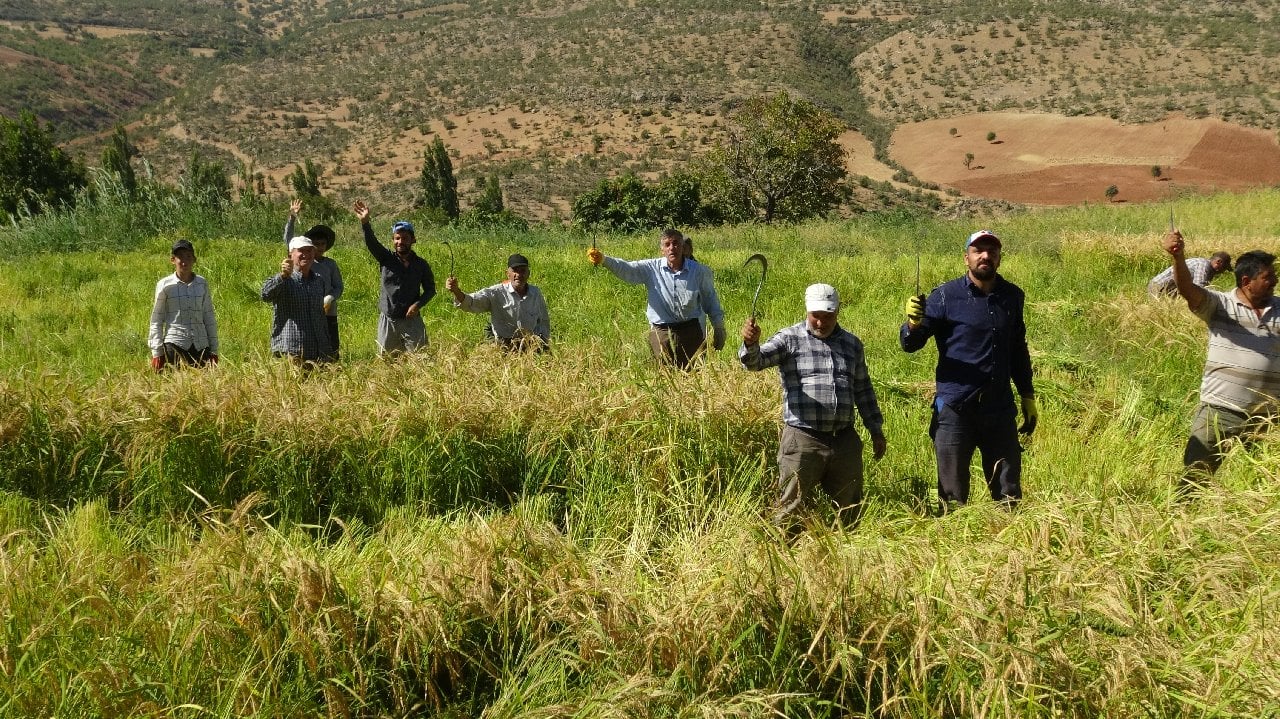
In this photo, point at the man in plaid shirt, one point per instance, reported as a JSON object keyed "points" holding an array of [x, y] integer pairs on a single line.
{"points": [[298, 327], [1202, 269], [183, 327], [824, 378]]}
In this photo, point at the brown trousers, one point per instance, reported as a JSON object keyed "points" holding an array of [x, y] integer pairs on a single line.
{"points": [[677, 344]]}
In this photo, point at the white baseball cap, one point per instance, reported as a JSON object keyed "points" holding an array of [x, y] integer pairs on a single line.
{"points": [[821, 298], [299, 242]]}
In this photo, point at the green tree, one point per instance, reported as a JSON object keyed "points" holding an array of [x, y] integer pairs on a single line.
{"points": [[991, 137], [629, 203], [1156, 172], [968, 159], [305, 179], [34, 172], [490, 201], [781, 161], [205, 183], [116, 160], [439, 186]]}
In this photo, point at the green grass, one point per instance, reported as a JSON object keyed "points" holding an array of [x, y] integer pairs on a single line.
{"points": [[581, 534]]}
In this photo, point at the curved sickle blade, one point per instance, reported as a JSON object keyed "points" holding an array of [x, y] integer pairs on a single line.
{"points": [[446, 244], [764, 272]]}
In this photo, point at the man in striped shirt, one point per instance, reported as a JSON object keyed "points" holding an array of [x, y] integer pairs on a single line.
{"points": [[183, 328], [1240, 390], [1203, 270], [824, 377]]}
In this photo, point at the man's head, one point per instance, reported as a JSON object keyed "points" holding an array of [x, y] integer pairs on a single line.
{"points": [[183, 258], [518, 272], [302, 251], [323, 237], [1256, 275], [822, 305], [402, 237], [1220, 262], [672, 246], [982, 255]]}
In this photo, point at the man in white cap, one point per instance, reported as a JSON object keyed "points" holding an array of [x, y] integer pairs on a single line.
{"points": [[299, 329], [824, 377], [976, 321]]}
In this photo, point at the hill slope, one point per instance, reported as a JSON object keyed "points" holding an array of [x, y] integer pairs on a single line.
{"points": [[556, 95]]}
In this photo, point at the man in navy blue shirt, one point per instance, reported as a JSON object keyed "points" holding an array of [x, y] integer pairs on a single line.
{"points": [[407, 285], [976, 321]]}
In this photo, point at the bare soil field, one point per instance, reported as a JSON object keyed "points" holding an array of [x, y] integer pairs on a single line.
{"points": [[1053, 160]]}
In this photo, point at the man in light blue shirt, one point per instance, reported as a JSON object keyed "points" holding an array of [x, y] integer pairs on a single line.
{"points": [[680, 294]]}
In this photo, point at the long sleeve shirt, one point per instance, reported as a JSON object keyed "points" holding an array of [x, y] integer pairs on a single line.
{"points": [[982, 343], [182, 314], [298, 326], [1202, 274], [673, 296], [509, 312], [403, 283], [823, 380], [323, 266]]}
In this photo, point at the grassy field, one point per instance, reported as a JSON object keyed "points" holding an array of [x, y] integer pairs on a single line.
{"points": [[581, 534]]}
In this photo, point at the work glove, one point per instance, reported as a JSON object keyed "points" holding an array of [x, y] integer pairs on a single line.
{"points": [[915, 310], [718, 338], [1030, 415], [157, 363], [595, 256]]}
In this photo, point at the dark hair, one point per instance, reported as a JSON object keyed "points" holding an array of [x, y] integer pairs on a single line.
{"points": [[1251, 263], [322, 233], [673, 234]]}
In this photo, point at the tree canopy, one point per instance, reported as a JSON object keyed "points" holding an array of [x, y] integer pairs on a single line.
{"points": [[781, 161], [34, 172]]}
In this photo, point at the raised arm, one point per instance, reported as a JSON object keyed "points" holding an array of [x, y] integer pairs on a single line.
{"points": [[1191, 292]]}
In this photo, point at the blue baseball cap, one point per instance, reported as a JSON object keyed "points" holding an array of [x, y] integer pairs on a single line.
{"points": [[402, 226], [982, 235]]}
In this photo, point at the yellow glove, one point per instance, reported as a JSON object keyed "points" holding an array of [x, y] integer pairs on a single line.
{"points": [[595, 256], [915, 310], [1030, 415]]}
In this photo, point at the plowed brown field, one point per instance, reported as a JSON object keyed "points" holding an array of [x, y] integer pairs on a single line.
{"points": [[1055, 160]]}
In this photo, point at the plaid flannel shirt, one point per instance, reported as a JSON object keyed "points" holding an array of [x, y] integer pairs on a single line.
{"points": [[823, 380]]}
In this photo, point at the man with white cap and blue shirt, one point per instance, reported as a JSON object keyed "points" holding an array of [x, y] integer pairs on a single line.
{"points": [[824, 377], [976, 321]]}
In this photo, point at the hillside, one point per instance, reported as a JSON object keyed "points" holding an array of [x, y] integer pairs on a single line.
{"points": [[554, 96]]}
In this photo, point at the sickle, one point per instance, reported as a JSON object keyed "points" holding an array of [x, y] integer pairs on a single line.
{"points": [[764, 271], [446, 244]]}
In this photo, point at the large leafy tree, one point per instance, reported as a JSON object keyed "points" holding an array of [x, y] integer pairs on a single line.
{"points": [[781, 161], [34, 172], [439, 186]]}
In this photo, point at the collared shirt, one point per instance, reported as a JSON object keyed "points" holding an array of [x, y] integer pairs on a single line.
{"points": [[509, 312], [1242, 368], [823, 380], [183, 315], [982, 343], [400, 282], [1202, 274], [298, 326], [673, 296], [323, 266]]}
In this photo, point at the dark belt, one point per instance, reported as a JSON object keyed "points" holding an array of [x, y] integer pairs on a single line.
{"points": [[676, 325]]}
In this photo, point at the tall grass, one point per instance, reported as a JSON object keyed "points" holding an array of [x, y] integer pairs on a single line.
{"points": [[582, 534]]}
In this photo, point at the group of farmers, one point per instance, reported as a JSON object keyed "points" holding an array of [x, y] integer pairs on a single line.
{"points": [[976, 321]]}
